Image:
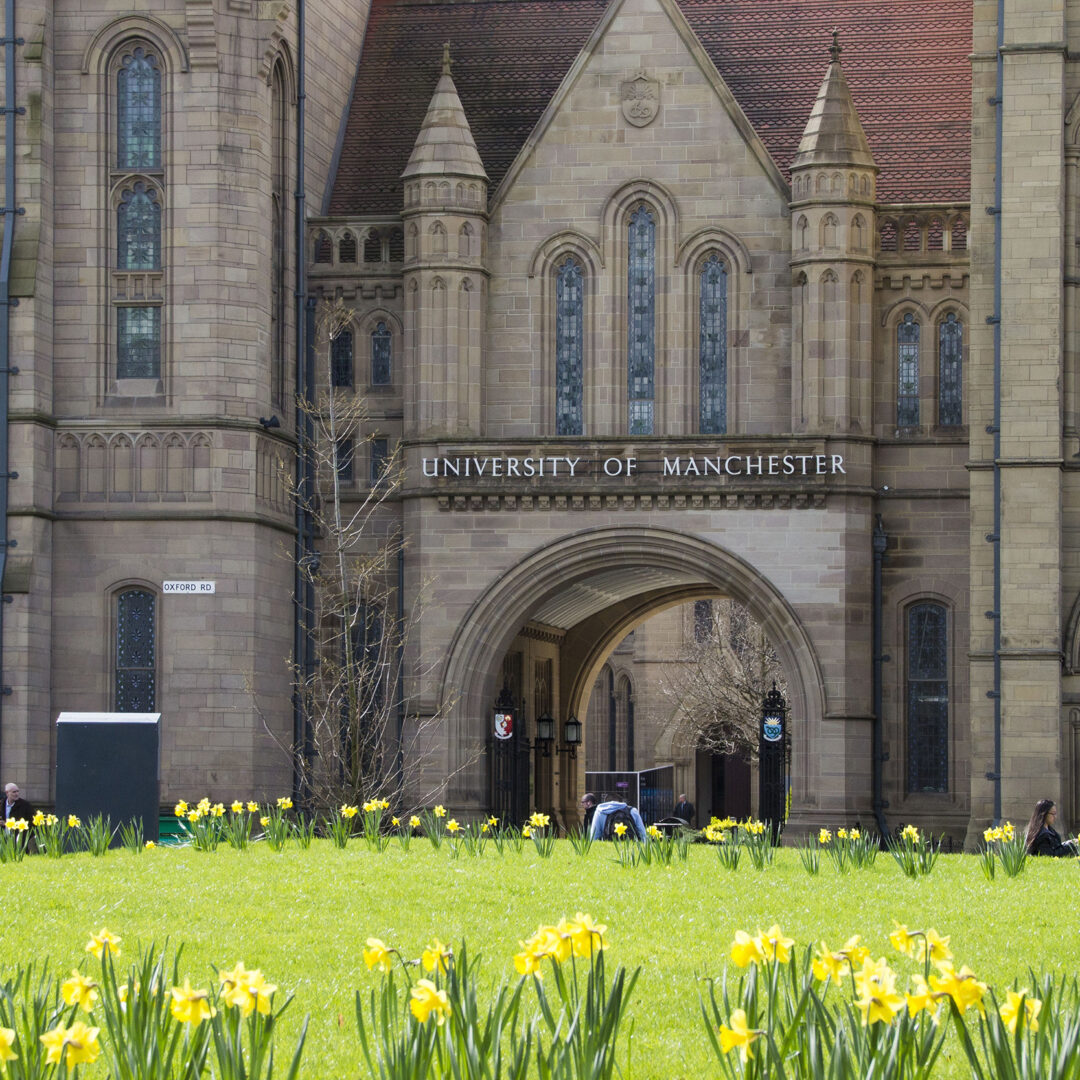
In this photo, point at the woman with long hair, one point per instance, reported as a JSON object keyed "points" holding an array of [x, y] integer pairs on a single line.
{"points": [[1042, 838]]}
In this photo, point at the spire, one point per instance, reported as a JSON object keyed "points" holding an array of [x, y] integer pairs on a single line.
{"points": [[445, 144], [834, 135]]}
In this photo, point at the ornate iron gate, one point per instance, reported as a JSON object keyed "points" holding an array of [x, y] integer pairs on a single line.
{"points": [[772, 761], [508, 753]]}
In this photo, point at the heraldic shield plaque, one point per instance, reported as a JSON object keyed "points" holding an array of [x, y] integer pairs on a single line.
{"points": [[640, 100]]}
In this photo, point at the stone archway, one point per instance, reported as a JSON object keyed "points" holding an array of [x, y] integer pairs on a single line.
{"points": [[608, 580]]}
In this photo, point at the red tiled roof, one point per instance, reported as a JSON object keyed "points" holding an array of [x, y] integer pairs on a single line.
{"points": [[906, 62]]}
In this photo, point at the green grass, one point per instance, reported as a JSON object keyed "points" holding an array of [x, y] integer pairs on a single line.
{"points": [[302, 917]]}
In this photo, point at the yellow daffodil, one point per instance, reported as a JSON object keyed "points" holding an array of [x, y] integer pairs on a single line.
{"points": [[348, 812], [991, 834], [284, 803], [874, 977], [493, 821], [962, 986], [414, 822], [440, 811], [586, 936], [217, 810], [1007, 831], [237, 806], [150, 844], [194, 815], [371, 806], [252, 806], [452, 826], [774, 946], [902, 940], [909, 832], [938, 947], [124, 991], [384, 804], [377, 955], [264, 821], [1010, 1011], [552, 941], [39, 818], [620, 829], [7, 1041], [824, 836], [395, 822], [75, 1045], [746, 950], [436, 955], [879, 1005], [837, 965], [527, 962], [737, 1033], [921, 996], [842, 834], [73, 821], [79, 990], [427, 998], [105, 942], [16, 824], [180, 809], [246, 990], [653, 832], [526, 831], [538, 820], [484, 827], [191, 1006], [204, 805], [854, 834]]}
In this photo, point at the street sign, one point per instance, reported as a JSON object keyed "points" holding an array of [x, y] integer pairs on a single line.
{"points": [[201, 588]]}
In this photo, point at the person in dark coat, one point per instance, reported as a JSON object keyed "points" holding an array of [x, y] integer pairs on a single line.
{"points": [[684, 809], [588, 804], [15, 806], [1042, 838]]}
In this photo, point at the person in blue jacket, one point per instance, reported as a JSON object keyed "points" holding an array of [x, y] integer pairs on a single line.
{"points": [[606, 809]]}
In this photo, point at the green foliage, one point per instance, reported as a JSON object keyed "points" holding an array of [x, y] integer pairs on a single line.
{"points": [[131, 836]]}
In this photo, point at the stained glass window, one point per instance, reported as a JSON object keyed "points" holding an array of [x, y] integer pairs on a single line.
{"points": [[641, 344], [927, 699], [341, 359], [138, 342], [138, 229], [950, 371], [712, 345], [138, 111], [136, 652], [569, 347], [381, 356], [907, 371]]}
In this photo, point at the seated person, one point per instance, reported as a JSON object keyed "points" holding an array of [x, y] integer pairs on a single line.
{"points": [[1042, 838], [632, 819]]}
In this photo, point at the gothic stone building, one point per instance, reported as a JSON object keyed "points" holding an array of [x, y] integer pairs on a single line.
{"points": [[661, 300]]}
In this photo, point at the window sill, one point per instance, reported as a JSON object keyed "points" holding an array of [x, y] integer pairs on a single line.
{"points": [[132, 392]]}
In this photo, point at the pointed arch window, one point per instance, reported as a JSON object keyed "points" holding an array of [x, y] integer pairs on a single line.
{"points": [[279, 230], [907, 372], [641, 344], [712, 346], [950, 371], [927, 698], [381, 355], [135, 686], [138, 111], [569, 347], [138, 229], [341, 359], [137, 188]]}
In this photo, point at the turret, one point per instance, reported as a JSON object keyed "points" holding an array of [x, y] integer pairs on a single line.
{"points": [[832, 228], [445, 217]]}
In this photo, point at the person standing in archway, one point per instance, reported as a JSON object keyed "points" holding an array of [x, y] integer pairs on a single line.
{"points": [[684, 809]]}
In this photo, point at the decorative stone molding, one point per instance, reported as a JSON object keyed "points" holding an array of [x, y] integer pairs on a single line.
{"points": [[201, 34], [639, 99], [758, 500]]}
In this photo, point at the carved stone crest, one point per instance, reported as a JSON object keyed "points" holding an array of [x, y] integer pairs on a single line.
{"points": [[640, 99]]}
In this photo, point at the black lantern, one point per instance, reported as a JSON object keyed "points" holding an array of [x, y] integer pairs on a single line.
{"points": [[545, 733], [572, 736]]}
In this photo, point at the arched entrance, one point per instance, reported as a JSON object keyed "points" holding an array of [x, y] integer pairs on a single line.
{"points": [[593, 587]]}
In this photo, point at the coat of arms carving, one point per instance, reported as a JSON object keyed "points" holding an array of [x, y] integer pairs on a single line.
{"points": [[640, 100]]}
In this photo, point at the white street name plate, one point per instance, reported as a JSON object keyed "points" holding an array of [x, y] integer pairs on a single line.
{"points": [[201, 587]]}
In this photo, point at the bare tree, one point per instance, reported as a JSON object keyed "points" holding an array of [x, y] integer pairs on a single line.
{"points": [[361, 740], [720, 676]]}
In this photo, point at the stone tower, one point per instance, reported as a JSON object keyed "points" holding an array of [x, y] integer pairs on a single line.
{"points": [[445, 216], [832, 214]]}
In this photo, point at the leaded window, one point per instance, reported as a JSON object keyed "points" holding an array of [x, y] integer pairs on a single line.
{"points": [[380, 455], [569, 348], [345, 452], [927, 698], [136, 652], [641, 343], [138, 229], [341, 359], [138, 111], [712, 346], [381, 356], [138, 342], [703, 620], [279, 232], [950, 371], [907, 372]]}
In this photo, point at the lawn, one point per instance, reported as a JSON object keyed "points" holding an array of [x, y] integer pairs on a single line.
{"points": [[302, 917]]}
